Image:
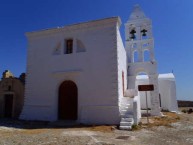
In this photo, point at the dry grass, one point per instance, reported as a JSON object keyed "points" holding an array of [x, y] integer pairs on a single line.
{"points": [[23, 131], [165, 120], [182, 108], [33, 131], [102, 128], [5, 134]]}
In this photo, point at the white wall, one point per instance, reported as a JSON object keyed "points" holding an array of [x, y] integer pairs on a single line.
{"points": [[167, 91], [168, 95], [93, 71], [122, 65], [142, 95]]}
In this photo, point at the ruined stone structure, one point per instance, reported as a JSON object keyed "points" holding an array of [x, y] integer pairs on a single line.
{"points": [[11, 95]]}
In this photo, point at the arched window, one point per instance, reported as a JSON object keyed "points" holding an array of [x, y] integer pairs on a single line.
{"points": [[146, 56], [135, 56], [134, 45]]}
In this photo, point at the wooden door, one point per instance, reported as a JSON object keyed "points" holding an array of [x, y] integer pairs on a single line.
{"points": [[8, 106], [68, 101]]}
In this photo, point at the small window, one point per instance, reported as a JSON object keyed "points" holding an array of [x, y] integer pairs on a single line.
{"points": [[135, 56], [69, 46], [9, 88]]}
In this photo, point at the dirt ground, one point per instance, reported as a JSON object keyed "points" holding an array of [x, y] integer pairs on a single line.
{"points": [[171, 129]]}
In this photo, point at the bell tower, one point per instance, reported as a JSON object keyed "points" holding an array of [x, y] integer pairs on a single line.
{"points": [[139, 44]]}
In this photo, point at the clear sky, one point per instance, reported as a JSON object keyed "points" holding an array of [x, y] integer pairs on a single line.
{"points": [[172, 30]]}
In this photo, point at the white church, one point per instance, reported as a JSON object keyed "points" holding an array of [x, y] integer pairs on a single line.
{"points": [[84, 73]]}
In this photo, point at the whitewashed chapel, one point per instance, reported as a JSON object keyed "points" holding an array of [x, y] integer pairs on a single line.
{"points": [[83, 72]]}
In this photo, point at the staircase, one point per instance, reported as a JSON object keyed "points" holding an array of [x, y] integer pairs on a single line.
{"points": [[126, 111]]}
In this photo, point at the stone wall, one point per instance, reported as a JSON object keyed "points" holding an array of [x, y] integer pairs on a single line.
{"points": [[182, 103], [14, 87]]}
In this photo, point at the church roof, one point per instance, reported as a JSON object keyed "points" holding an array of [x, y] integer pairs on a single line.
{"points": [[137, 13], [168, 76], [76, 26]]}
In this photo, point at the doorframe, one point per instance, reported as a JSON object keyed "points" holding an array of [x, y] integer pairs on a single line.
{"points": [[57, 92], [13, 105]]}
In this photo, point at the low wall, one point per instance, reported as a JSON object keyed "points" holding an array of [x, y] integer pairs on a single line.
{"points": [[182, 103]]}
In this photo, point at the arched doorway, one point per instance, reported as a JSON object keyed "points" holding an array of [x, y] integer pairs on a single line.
{"points": [[68, 101]]}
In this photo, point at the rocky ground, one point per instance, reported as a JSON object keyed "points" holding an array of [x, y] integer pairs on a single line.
{"points": [[169, 130]]}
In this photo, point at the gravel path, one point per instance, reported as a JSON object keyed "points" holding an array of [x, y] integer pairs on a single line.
{"points": [[17, 133]]}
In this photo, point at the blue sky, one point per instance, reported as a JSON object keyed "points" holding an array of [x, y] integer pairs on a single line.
{"points": [[172, 30]]}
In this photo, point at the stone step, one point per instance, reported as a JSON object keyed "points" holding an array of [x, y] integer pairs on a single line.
{"points": [[125, 127], [126, 123], [126, 110], [125, 101], [125, 104], [126, 113], [127, 119], [125, 98]]}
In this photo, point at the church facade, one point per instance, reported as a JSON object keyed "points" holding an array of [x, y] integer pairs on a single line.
{"points": [[76, 72], [83, 72]]}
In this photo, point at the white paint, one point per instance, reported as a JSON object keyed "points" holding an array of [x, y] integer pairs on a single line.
{"points": [[96, 71], [167, 91], [103, 70], [137, 25], [131, 93]]}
